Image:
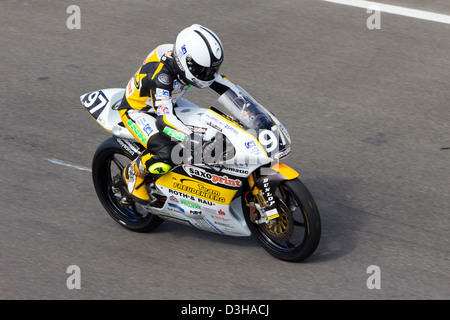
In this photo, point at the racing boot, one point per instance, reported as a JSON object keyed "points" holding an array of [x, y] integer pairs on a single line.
{"points": [[134, 175]]}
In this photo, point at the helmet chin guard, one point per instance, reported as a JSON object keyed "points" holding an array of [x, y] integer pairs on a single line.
{"points": [[198, 55]]}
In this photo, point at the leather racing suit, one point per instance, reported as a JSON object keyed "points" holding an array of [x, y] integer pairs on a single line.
{"points": [[148, 108]]}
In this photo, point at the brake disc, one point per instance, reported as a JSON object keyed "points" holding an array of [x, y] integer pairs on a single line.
{"points": [[281, 228]]}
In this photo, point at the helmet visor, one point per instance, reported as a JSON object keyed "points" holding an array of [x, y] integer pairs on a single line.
{"points": [[200, 72]]}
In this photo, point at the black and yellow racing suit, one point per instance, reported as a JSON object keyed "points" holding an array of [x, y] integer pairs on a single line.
{"points": [[147, 108]]}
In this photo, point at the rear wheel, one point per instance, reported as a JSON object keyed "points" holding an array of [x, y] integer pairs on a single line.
{"points": [[107, 167], [295, 234]]}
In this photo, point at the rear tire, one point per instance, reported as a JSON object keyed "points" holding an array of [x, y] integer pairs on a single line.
{"points": [[109, 161], [295, 235]]}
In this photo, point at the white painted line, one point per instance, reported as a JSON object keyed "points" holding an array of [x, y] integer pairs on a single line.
{"points": [[62, 163], [407, 12], [55, 161]]}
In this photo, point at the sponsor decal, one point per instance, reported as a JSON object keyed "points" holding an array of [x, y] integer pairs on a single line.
{"points": [[199, 130], [128, 146], [181, 186], [130, 88], [209, 203], [172, 198], [231, 129], [177, 60], [214, 227], [192, 198], [213, 121], [147, 130], [250, 144], [283, 153], [200, 190], [145, 125], [214, 178], [220, 218], [176, 207], [162, 111], [212, 125], [174, 133], [272, 214], [183, 50], [253, 147], [162, 94], [195, 212], [267, 192], [221, 212], [232, 120], [233, 170], [285, 132], [149, 209], [177, 193], [137, 131], [227, 225], [190, 204]]}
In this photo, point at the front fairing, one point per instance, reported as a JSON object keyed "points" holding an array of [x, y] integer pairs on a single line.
{"points": [[258, 122]]}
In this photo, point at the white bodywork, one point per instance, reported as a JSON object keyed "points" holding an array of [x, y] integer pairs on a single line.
{"points": [[249, 155]]}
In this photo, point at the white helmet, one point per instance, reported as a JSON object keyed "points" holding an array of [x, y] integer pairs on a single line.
{"points": [[198, 54]]}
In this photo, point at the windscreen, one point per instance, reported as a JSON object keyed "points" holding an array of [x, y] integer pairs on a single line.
{"points": [[243, 108], [257, 121]]}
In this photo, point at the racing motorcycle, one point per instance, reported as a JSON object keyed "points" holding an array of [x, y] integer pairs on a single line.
{"points": [[234, 184]]}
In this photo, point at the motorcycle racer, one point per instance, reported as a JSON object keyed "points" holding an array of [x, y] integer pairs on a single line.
{"points": [[148, 108]]}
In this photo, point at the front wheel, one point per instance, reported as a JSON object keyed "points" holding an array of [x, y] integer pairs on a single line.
{"points": [[295, 234], [107, 167]]}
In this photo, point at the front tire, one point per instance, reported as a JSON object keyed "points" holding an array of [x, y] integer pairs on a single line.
{"points": [[295, 235], [107, 167]]}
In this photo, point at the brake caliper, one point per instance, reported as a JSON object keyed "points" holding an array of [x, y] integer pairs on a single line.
{"points": [[260, 214]]}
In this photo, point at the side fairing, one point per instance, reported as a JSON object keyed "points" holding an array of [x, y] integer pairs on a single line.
{"points": [[103, 105]]}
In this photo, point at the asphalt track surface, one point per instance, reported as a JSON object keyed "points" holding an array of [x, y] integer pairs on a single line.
{"points": [[368, 111]]}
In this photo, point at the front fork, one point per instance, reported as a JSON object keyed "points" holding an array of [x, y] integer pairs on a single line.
{"points": [[263, 188]]}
